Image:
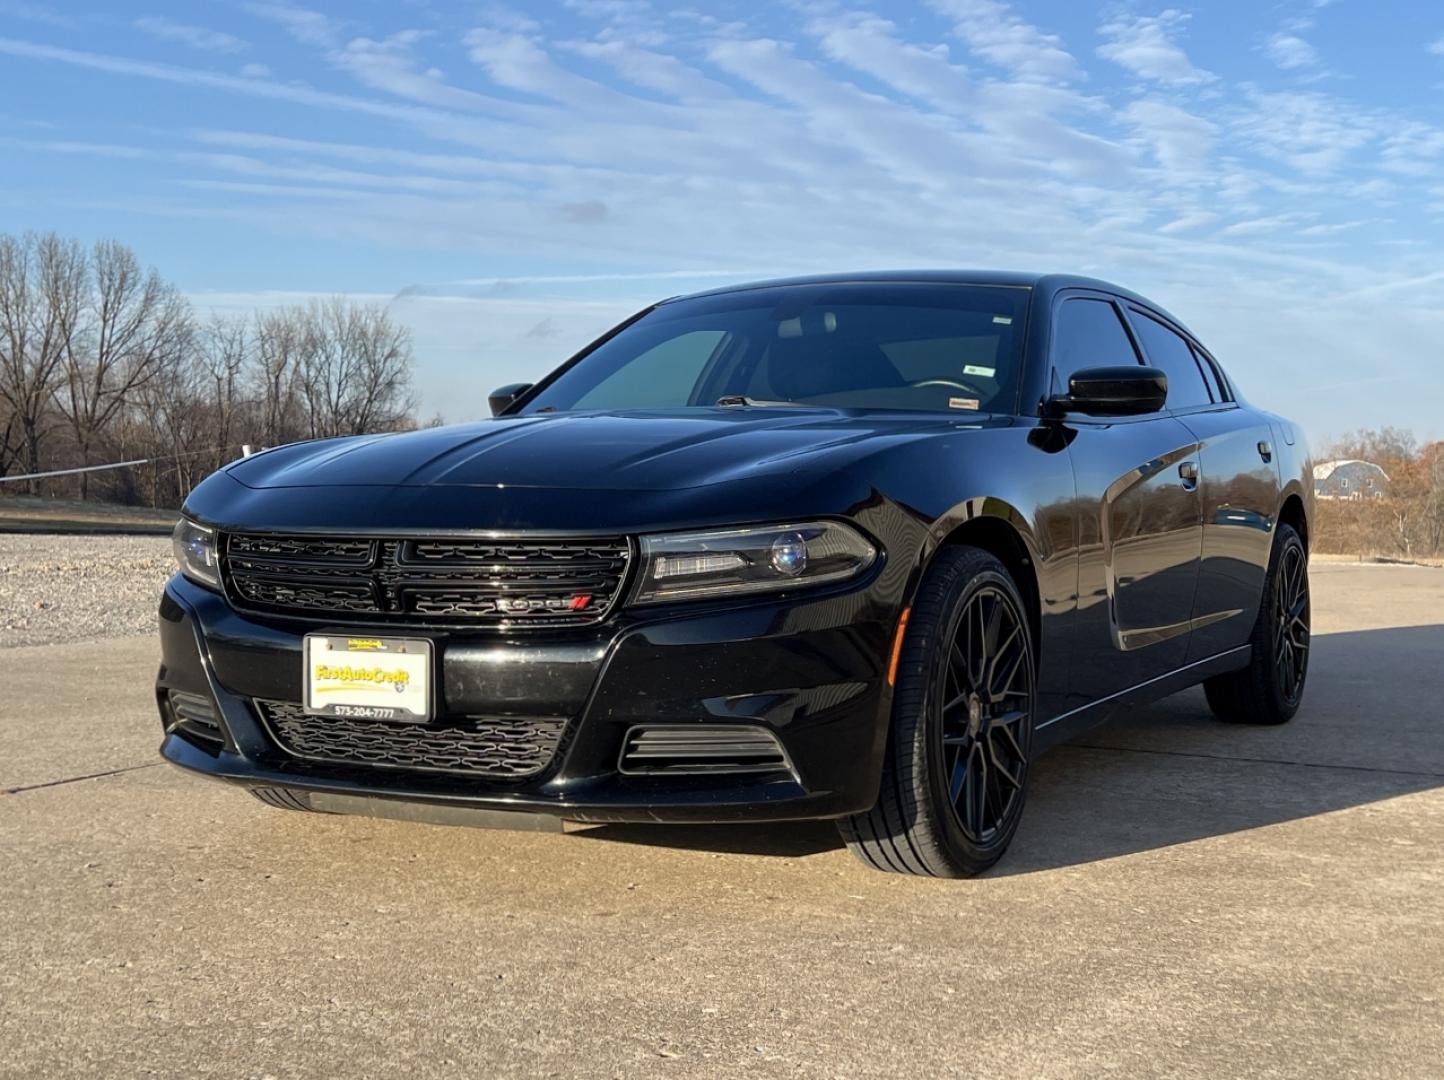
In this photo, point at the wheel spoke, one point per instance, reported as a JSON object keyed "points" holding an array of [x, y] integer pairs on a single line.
{"points": [[994, 628], [982, 785], [958, 668], [958, 778], [978, 649], [1014, 779], [972, 818], [1004, 728], [998, 686]]}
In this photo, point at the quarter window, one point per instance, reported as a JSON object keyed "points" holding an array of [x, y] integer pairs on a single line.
{"points": [[1088, 334], [1211, 375], [1171, 354]]}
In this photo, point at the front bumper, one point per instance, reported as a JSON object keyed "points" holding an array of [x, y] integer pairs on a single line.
{"points": [[810, 670]]}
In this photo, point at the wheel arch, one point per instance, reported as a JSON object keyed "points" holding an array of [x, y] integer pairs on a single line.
{"points": [[998, 528], [1292, 512]]}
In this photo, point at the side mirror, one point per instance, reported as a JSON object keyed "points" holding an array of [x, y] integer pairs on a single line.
{"points": [[1128, 390], [505, 397]]}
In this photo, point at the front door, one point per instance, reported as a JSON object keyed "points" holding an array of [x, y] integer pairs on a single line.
{"points": [[1141, 535], [1139, 516]]}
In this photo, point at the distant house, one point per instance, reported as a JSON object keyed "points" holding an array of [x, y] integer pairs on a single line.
{"points": [[1350, 479]]}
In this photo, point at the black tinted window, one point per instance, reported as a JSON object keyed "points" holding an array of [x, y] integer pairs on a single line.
{"points": [[855, 346], [1211, 375], [1172, 355], [1088, 334]]}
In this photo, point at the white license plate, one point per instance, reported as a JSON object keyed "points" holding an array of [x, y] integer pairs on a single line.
{"points": [[368, 678]]}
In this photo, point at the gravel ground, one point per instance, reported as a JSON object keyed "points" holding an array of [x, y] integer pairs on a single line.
{"points": [[57, 589]]}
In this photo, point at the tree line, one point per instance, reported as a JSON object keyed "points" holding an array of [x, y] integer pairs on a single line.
{"points": [[103, 360], [1406, 523]]}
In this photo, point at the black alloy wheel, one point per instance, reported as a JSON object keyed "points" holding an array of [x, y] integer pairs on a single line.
{"points": [[988, 694], [955, 771], [1271, 688], [1291, 612]]}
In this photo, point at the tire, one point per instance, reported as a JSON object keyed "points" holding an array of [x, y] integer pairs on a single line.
{"points": [[285, 799], [961, 731], [1270, 689]]}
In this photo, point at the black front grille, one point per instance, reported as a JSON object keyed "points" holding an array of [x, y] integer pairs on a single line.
{"points": [[476, 582], [499, 748]]}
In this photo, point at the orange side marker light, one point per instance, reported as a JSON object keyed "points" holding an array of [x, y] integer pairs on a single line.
{"points": [[902, 626]]}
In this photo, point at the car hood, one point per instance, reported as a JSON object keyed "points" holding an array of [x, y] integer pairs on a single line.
{"points": [[621, 451]]}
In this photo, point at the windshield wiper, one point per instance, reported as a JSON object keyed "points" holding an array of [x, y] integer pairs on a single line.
{"points": [[733, 400]]}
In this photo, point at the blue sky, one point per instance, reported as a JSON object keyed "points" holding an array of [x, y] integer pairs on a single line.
{"points": [[514, 179]]}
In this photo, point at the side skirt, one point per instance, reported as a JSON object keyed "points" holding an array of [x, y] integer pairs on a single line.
{"points": [[1072, 724]]}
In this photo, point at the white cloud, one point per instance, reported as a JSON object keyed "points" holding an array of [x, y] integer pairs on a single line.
{"points": [[871, 45], [1310, 132], [651, 70], [1258, 226], [255, 71], [43, 14], [1145, 45], [1181, 142], [1290, 52], [196, 37], [994, 32], [306, 26], [1437, 47], [390, 65]]}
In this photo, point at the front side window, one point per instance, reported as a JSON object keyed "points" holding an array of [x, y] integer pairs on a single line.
{"points": [[1088, 333], [854, 346]]}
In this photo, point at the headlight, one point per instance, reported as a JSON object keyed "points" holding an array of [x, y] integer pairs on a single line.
{"points": [[195, 551], [724, 562]]}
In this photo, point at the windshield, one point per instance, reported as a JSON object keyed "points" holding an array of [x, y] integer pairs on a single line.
{"points": [[853, 346]]}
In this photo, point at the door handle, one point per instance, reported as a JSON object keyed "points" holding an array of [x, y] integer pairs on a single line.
{"points": [[1188, 473], [1265, 450]]}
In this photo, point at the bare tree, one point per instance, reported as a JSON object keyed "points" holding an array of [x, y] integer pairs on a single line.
{"points": [[328, 365], [176, 428], [381, 396], [355, 371], [42, 281], [275, 361], [133, 324], [100, 358], [9, 439], [1432, 511], [225, 348]]}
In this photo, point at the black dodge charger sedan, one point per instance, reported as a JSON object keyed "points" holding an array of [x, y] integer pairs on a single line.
{"points": [[855, 547]]}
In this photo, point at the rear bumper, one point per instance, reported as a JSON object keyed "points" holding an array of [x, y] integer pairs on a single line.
{"points": [[810, 671]]}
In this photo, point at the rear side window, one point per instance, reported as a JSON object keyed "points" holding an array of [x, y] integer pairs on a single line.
{"points": [[1088, 334], [1172, 354]]}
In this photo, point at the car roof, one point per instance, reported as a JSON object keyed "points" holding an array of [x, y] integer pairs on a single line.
{"points": [[1048, 283]]}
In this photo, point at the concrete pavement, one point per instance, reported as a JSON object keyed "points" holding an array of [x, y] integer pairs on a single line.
{"points": [[1184, 899]]}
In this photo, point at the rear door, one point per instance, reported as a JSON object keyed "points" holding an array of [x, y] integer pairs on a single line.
{"points": [[1139, 517], [1239, 484]]}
